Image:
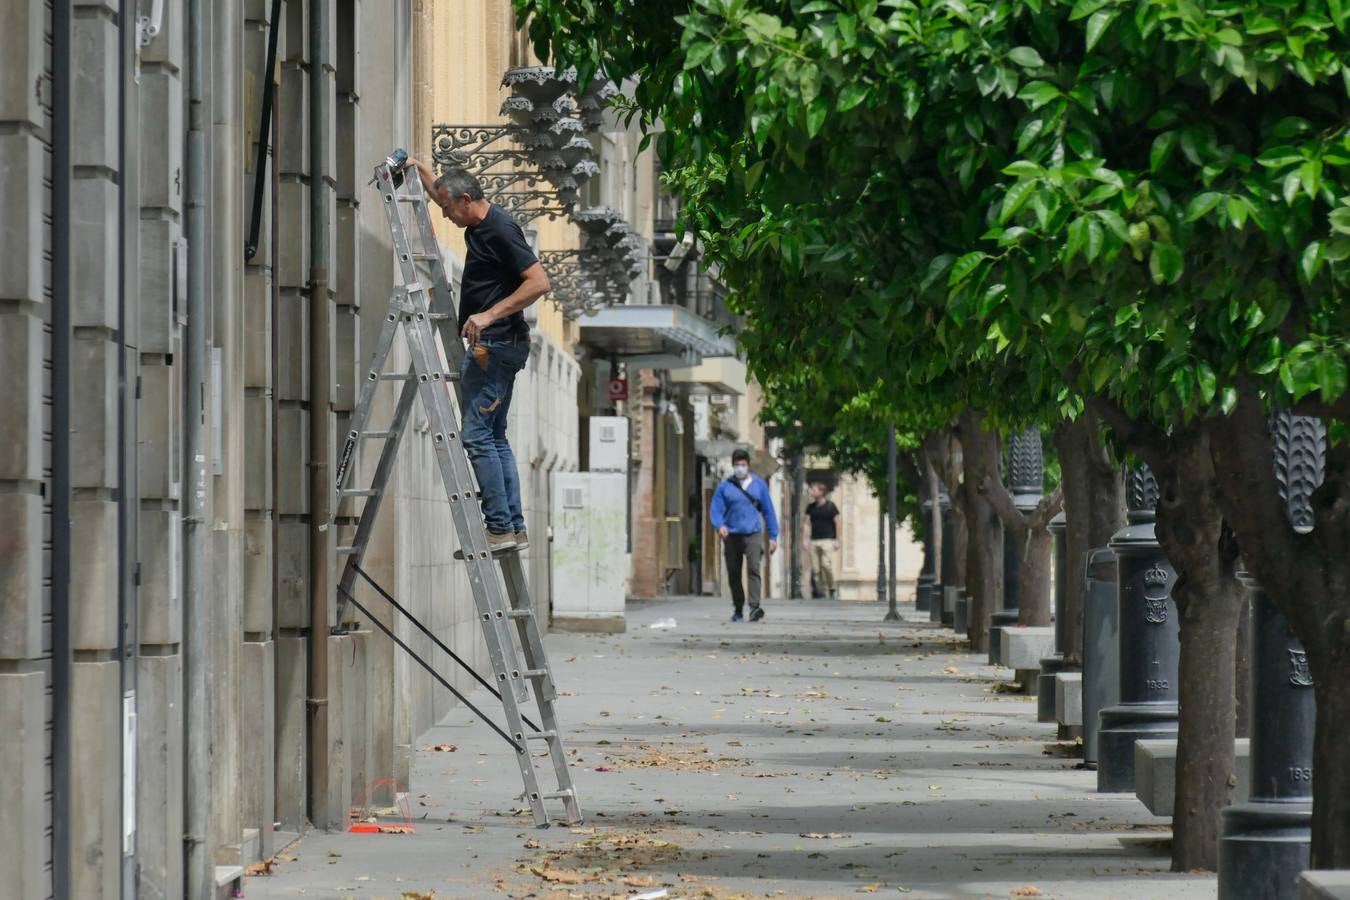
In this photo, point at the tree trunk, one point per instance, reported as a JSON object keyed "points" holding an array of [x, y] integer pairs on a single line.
{"points": [[1094, 507], [1035, 545], [1034, 579], [1208, 597], [1331, 773], [984, 551], [1242, 671], [946, 455]]}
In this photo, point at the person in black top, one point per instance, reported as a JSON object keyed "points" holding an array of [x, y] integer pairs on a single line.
{"points": [[822, 526], [502, 276]]}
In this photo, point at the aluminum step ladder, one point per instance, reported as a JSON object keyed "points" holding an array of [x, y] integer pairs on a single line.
{"points": [[422, 309]]}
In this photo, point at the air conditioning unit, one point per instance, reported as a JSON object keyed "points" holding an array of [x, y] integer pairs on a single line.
{"points": [[608, 444]]}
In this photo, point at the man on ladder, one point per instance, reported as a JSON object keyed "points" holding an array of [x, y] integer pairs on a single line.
{"points": [[502, 277]]}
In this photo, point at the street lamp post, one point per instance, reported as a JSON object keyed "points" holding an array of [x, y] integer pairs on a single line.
{"points": [[892, 614], [1149, 640], [1266, 841]]}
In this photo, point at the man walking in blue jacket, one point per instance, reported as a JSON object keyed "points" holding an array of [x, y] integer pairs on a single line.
{"points": [[738, 505]]}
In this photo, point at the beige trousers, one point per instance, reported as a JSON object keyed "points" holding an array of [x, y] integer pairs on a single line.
{"points": [[822, 562]]}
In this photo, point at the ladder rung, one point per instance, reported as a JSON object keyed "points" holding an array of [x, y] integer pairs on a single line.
{"points": [[345, 551], [535, 673], [559, 795], [519, 613], [409, 198], [377, 435], [542, 736], [359, 492], [395, 376], [424, 257]]}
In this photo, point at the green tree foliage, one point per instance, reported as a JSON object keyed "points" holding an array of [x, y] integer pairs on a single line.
{"points": [[1024, 206]]}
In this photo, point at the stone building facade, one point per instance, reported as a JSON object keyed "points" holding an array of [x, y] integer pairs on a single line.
{"points": [[208, 712]]}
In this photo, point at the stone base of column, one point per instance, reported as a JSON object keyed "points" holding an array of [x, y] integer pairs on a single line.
{"points": [[1263, 849], [1121, 726], [936, 604], [923, 593], [997, 622], [961, 615], [949, 598], [1045, 687]]}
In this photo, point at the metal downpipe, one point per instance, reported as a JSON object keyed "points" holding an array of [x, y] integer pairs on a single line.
{"points": [[199, 871], [62, 78], [320, 381]]}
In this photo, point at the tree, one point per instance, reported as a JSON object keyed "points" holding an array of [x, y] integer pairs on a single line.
{"points": [[1075, 197]]}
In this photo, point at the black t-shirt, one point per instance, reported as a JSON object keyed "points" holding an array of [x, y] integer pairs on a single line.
{"points": [[822, 520], [497, 254]]}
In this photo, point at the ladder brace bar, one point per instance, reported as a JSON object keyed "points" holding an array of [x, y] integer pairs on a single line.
{"points": [[434, 674], [435, 640]]}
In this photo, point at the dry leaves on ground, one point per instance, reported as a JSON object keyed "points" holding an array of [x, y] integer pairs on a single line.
{"points": [[262, 868], [440, 748], [1026, 890], [830, 836], [680, 759]]}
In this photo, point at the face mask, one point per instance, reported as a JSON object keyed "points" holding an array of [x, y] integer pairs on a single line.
{"points": [[741, 470]]}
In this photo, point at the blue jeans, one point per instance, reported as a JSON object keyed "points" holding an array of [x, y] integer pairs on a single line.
{"points": [[487, 380]]}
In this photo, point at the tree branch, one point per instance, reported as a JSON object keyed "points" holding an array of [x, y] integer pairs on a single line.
{"points": [[1283, 561], [998, 498], [1144, 439]]}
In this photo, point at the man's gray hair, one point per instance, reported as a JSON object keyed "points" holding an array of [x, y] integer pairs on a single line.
{"points": [[457, 183]]}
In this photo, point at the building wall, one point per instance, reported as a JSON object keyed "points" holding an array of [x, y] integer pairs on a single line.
{"points": [[129, 428]]}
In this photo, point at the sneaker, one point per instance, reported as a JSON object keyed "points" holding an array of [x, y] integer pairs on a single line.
{"points": [[757, 614], [522, 540], [500, 540], [737, 617]]}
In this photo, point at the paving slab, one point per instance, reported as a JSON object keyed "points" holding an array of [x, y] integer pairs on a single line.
{"points": [[820, 753]]}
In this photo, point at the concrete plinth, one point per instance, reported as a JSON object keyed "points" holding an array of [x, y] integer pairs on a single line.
{"points": [[1324, 885], [588, 625], [1069, 698], [949, 597], [1004, 618], [1025, 646], [961, 615], [1155, 774]]}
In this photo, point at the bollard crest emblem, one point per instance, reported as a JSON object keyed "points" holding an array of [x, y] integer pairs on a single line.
{"points": [[1301, 675], [1155, 595]]}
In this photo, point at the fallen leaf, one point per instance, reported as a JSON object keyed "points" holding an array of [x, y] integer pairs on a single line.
{"points": [[1026, 890], [869, 888], [830, 836], [441, 748], [640, 881], [262, 868], [562, 876]]}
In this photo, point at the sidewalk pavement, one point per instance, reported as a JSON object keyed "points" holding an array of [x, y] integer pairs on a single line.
{"points": [[820, 753]]}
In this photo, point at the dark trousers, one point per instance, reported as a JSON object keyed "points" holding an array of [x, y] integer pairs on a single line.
{"points": [[747, 549]]}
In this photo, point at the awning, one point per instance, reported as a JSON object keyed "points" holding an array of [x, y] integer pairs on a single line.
{"points": [[653, 337]]}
